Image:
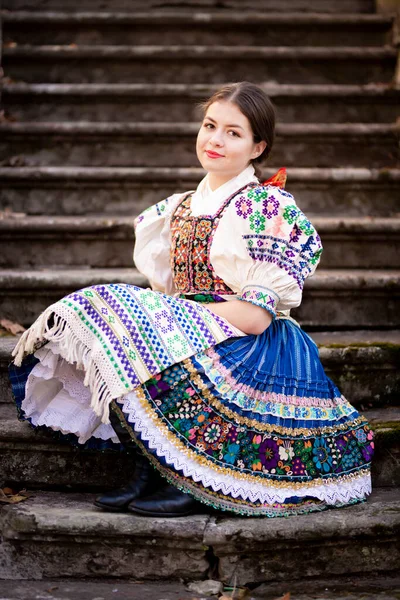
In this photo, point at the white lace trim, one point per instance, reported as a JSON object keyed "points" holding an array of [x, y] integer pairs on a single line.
{"points": [[341, 490], [57, 398]]}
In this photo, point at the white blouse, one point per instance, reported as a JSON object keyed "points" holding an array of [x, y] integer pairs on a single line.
{"points": [[263, 248]]}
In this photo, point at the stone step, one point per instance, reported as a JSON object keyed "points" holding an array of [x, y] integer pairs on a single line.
{"points": [[134, 144], [365, 365], [346, 588], [128, 191], [63, 536], [187, 64], [107, 241], [32, 459], [199, 28], [374, 103], [339, 6], [334, 298]]}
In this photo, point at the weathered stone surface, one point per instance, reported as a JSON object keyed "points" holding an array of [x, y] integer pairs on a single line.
{"points": [[33, 459], [355, 298], [364, 364], [135, 144], [25, 294], [66, 241], [348, 6], [128, 191], [92, 543], [101, 241], [123, 64], [178, 102], [156, 27], [357, 539], [345, 588]]}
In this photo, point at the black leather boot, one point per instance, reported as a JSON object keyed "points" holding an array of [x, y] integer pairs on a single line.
{"points": [[145, 480], [165, 502]]}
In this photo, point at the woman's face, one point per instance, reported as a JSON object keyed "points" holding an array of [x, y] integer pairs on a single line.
{"points": [[225, 144]]}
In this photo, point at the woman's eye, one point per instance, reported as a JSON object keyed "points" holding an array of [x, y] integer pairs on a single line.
{"points": [[234, 133], [208, 125]]}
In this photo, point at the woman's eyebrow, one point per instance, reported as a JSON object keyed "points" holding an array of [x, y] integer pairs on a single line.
{"points": [[210, 119]]}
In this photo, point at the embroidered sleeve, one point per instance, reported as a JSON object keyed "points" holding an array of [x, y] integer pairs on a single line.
{"points": [[282, 245], [153, 242]]}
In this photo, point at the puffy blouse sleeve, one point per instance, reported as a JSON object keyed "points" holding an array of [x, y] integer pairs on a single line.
{"points": [[152, 244], [275, 248]]}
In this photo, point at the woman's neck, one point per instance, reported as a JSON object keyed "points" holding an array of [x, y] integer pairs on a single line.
{"points": [[215, 181]]}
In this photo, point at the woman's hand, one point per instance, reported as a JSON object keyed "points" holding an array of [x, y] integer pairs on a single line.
{"points": [[249, 318]]}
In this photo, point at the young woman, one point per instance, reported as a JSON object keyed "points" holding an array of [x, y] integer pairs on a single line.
{"points": [[205, 373]]}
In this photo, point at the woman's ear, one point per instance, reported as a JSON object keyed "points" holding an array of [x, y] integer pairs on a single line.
{"points": [[258, 149]]}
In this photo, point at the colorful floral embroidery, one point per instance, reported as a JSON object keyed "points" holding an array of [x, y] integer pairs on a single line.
{"points": [[190, 248], [260, 297], [257, 222], [280, 235], [243, 207], [185, 407], [291, 213], [270, 207]]}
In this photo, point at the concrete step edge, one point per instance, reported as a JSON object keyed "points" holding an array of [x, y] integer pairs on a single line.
{"points": [[117, 226], [195, 90], [73, 516], [338, 279], [68, 278], [42, 173], [186, 129], [200, 16], [179, 52]]}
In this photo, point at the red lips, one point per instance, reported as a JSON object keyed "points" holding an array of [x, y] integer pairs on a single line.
{"points": [[212, 154]]}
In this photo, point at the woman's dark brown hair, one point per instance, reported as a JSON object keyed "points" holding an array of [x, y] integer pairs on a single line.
{"points": [[254, 103]]}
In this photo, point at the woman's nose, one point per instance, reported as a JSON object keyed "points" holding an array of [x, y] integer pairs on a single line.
{"points": [[216, 138]]}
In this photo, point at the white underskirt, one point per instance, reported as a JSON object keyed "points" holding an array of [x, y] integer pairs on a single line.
{"points": [[56, 397]]}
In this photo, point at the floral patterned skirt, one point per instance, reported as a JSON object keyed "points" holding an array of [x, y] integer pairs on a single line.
{"points": [[252, 425]]}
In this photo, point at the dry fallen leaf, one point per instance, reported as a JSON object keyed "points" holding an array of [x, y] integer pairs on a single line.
{"points": [[11, 326], [14, 498], [235, 594]]}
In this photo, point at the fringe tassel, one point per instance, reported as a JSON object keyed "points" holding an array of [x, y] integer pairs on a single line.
{"points": [[70, 349]]}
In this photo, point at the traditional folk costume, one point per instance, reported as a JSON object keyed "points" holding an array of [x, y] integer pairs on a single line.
{"points": [[244, 423]]}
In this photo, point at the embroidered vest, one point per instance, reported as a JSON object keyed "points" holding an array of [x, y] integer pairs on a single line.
{"points": [[190, 249]]}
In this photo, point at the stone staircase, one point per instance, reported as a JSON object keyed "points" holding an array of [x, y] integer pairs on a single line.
{"points": [[96, 94]]}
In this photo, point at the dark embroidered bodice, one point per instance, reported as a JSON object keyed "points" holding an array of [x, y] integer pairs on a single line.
{"points": [[190, 250]]}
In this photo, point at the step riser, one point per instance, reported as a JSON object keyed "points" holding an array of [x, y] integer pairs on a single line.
{"points": [[30, 250], [192, 70], [348, 6], [65, 537], [154, 150], [353, 308], [322, 309], [202, 33], [166, 109], [118, 198], [50, 466]]}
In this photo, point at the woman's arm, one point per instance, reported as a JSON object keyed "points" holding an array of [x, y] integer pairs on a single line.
{"points": [[247, 317]]}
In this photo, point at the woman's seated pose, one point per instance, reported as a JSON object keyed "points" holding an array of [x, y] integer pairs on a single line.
{"points": [[219, 390]]}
